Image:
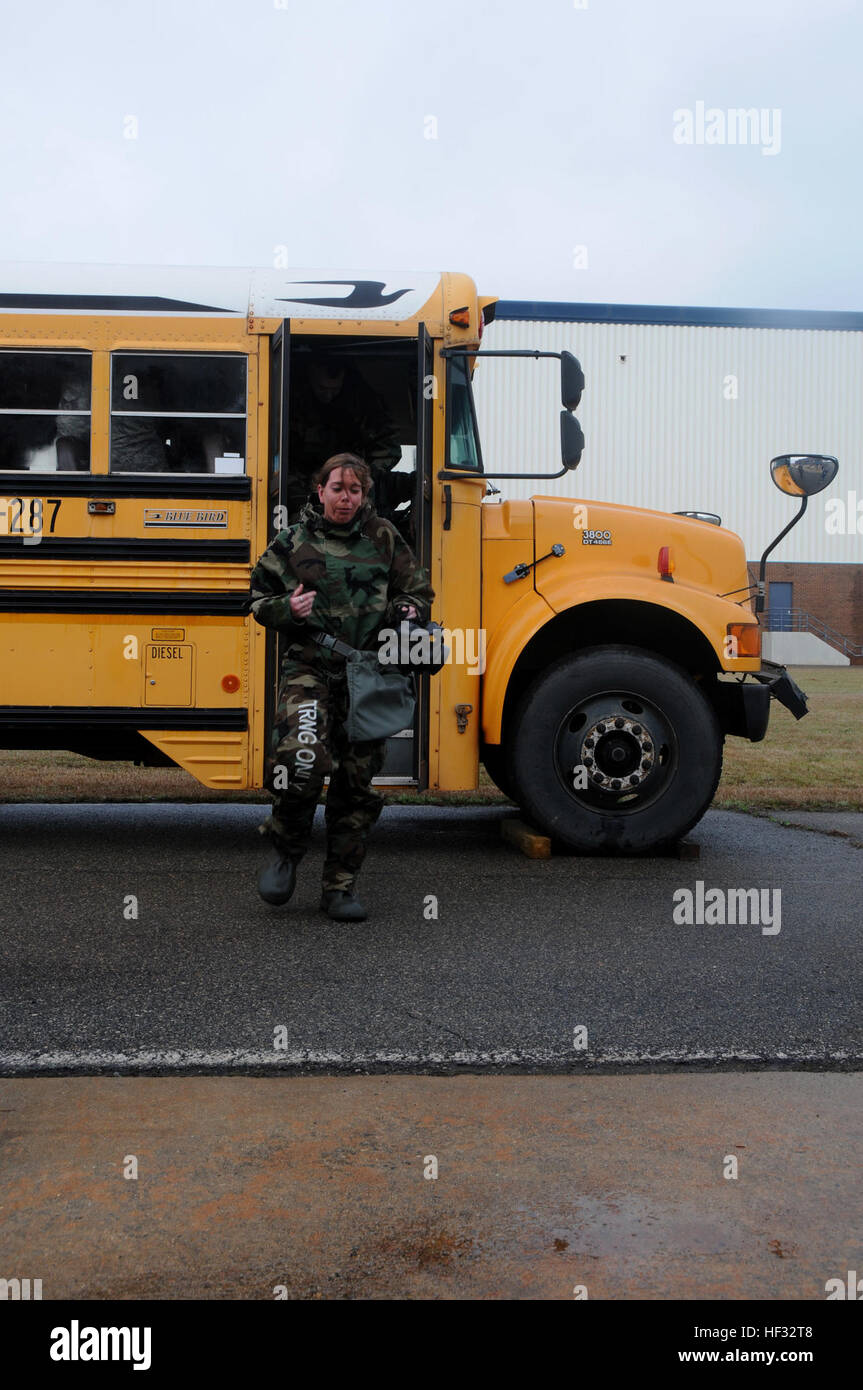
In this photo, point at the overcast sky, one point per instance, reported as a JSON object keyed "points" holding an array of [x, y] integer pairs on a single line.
{"points": [[539, 146]]}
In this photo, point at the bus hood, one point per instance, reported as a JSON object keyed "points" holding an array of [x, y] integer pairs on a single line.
{"points": [[603, 539]]}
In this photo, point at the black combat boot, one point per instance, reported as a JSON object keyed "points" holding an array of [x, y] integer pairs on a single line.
{"points": [[342, 906], [277, 880]]}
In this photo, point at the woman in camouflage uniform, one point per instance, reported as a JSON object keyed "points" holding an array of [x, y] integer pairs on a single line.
{"points": [[342, 570]]}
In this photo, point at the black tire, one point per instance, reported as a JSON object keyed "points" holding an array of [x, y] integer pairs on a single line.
{"points": [[652, 766], [493, 757]]}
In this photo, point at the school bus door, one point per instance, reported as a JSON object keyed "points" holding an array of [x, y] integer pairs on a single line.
{"points": [[276, 493]]}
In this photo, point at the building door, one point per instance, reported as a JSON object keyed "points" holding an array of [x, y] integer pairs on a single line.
{"points": [[781, 603]]}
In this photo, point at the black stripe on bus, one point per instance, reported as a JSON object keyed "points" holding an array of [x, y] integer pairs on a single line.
{"points": [[120, 716], [207, 487], [177, 549], [199, 603], [93, 303]]}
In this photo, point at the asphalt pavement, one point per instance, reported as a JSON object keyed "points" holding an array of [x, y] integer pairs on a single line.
{"points": [[133, 940]]}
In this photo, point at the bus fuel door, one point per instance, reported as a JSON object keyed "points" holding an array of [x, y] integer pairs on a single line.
{"points": [[168, 673]]}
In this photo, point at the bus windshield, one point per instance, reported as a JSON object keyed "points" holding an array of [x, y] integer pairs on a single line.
{"points": [[463, 448]]}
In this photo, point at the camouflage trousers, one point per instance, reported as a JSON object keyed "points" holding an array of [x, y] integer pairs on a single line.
{"points": [[309, 744]]}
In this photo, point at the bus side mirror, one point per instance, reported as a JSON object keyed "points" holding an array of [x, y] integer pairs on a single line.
{"points": [[802, 475], [571, 440], [571, 381]]}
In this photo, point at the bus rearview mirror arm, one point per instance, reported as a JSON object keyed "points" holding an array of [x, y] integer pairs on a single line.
{"points": [[762, 568]]}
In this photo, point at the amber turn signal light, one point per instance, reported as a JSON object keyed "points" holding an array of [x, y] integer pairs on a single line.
{"points": [[743, 639]]}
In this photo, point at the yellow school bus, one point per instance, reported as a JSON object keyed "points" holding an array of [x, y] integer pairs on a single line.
{"points": [[146, 419]]}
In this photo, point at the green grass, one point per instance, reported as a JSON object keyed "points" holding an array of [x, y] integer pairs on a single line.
{"points": [[812, 764]]}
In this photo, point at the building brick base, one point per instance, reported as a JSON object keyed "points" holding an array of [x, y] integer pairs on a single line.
{"points": [[831, 593]]}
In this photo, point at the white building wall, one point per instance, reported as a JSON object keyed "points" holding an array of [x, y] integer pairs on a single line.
{"points": [[662, 432]]}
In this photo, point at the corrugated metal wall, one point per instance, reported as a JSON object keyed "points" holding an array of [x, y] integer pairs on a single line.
{"points": [[664, 430]]}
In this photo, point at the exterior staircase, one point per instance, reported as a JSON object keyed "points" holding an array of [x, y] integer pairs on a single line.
{"points": [[794, 637]]}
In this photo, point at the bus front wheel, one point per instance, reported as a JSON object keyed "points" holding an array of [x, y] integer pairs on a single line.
{"points": [[614, 749]]}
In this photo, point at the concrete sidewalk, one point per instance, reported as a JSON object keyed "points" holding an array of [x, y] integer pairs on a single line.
{"points": [[543, 1184], [516, 953]]}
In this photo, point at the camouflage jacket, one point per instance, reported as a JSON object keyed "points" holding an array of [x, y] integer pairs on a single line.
{"points": [[361, 572]]}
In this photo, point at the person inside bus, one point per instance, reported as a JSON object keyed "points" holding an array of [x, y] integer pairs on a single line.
{"points": [[345, 571], [38, 441], [73, 430], [333, 410], [137, 446]]}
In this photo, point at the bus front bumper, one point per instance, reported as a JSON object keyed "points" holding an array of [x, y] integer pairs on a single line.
{"points": [[744, 707]]}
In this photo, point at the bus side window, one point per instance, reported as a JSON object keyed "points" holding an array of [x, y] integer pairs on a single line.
{"points": [[178, 412], [45, 411]]}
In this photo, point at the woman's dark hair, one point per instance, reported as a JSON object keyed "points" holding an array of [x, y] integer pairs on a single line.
{"points": [[361, 471]]}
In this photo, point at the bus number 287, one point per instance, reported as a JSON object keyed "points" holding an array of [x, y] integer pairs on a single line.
{"points": [[17, 521]]}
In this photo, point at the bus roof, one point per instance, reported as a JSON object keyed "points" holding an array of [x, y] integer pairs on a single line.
{"points": [[217, 291]]}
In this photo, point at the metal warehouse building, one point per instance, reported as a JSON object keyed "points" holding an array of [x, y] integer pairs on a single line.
{"points": [[683, 409]]}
